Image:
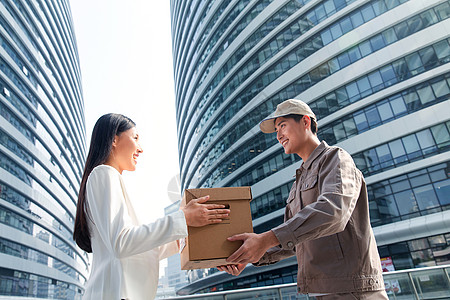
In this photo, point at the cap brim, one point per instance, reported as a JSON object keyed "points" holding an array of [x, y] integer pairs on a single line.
{"points": [[267, 125]]}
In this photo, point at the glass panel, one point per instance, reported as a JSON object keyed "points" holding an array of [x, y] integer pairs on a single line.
{"points": [[326, 37], [385, 111], [440, 88], [361, 121], [428, 17], [352, 90], [350, 127], [414, 63], [426, 94], [388, 75], [442, 49], [357, 19], [398, 286], [418, 244], [375, 80], [390, 36], [423, 258], [426, 197], [343, 60], [406, 202], [429, 58], [365, 48], [336, 31], [387, 207], [354, 54], [441, 135], [398, 106], [398, 152], [379, 7], [401, 69], [368, 13], [426, 141], [443, 191], [402, 30], [372, 159], [431, 284], [412, 100], [339, 132], [384, 155], [373, 117], [415, 24], [377, 42], [346, 25], [443, 10], [364, 86]]}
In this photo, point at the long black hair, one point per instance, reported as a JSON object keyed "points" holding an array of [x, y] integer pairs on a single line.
{"points": [[105, 129]]}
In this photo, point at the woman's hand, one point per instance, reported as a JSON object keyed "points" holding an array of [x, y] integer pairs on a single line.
{"points": [[232, 269], [198, 214]]}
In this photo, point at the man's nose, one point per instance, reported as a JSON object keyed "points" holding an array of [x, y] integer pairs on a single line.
{"points": [[279, 136]]}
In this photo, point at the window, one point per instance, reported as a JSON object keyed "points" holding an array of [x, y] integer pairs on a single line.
{"points": [[361, 122], [425, 197], [373, 117], [426, 141], [441, 135], [442, 189], [385, 111], [426, 94], [406, 202], [440, 88]]}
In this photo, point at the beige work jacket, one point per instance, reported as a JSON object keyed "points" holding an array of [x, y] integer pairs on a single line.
{"points": [[327, 226]]}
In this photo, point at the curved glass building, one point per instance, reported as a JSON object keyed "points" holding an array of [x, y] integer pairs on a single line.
{"points": [[42, 151], [377, 75]]}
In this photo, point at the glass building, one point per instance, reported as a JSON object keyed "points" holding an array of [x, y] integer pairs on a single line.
{"points": [[42, 150], [377, 75]]}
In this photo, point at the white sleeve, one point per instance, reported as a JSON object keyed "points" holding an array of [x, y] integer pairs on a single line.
{"points": [[105, 196]]}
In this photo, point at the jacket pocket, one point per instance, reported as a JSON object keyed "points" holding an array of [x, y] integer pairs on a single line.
{"points": [[309, 189], [309, 182]]}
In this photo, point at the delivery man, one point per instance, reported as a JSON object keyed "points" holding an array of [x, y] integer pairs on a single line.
{"points": [[327, 221]]}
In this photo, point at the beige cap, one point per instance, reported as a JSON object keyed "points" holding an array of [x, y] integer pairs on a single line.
{"points": [[288, 107]]}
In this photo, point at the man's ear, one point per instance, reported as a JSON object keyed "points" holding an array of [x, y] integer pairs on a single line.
{"points": [[306, 121]]}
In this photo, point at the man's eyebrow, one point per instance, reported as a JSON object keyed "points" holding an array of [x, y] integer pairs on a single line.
{"points": [[279, 123]]}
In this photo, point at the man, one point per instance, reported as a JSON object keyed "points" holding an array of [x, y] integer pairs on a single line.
{"points": [[327, 221]]}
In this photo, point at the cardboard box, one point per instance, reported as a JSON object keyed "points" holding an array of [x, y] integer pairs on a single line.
{"points": [[207, 246]]}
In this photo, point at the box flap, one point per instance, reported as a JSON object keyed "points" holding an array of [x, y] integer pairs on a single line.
{"points": [[225, 193]]}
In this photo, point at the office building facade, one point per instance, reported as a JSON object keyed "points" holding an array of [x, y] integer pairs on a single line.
{"points": [[42, 151], [376, 73]]}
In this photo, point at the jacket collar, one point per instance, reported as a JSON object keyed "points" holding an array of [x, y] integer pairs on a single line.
{"points": [[316, 152]]}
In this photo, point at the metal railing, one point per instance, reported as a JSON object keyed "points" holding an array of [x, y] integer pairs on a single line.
{"points": [[420, 284]]}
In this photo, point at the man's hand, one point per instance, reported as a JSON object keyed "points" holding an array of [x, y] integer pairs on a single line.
{"points": [[198, 214], [253, 248], [232, 269]]}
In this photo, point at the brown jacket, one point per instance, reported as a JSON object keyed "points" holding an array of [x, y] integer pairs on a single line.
{"points": [[327, 225]]}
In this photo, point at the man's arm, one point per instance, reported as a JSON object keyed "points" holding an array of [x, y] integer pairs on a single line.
{"points": [[328, 215]]}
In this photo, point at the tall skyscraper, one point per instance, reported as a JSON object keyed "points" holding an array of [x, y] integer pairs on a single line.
{"points": [[42, 150], [376, 73]]}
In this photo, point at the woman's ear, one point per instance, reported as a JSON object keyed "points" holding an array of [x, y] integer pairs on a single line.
{"points": [[114, 143]]}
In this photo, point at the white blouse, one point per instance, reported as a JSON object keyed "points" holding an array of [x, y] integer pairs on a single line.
{"points": [[126, 253]]}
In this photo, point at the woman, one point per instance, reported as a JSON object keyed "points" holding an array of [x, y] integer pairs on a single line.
{"points": [[126, 253]]}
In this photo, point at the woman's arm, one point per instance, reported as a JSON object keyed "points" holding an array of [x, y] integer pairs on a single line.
{"points": [[109, 213]]}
